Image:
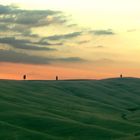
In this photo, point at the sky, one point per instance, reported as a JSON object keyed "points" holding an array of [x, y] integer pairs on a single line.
{"points": [[88, 39]]}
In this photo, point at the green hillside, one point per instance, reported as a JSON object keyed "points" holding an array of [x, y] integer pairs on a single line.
{"points": [[70, 110]]}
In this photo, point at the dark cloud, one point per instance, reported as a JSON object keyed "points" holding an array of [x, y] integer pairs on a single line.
{"points": [[3, 27], [103, 32], [28, 33], [72, 25], [6, 9], [72, 59], [45, 42], [16, 57], [12, 40], [35, 19], [32, 47], [17, 24], [23, 44], [20, 20], [64, 36]]}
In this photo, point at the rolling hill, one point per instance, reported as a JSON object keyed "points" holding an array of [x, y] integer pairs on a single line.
{"points": [[70, 110]]}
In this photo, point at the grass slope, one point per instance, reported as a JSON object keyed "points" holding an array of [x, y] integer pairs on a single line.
{"points": [[70, 110]]}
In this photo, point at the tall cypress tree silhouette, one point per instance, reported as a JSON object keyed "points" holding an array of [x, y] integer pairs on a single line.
{"points": [[56, 78], [24, 77]]}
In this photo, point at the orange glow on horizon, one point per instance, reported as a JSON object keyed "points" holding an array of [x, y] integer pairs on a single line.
{"points": [[45, 72]]}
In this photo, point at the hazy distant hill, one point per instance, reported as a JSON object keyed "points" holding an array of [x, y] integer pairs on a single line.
{"points": [[70, 110]]}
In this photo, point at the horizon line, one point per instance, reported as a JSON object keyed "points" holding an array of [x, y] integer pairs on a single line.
{"points": [[88, 79]]}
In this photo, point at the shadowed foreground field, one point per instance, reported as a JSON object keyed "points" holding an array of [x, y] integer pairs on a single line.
{"points": [[70, 110]]}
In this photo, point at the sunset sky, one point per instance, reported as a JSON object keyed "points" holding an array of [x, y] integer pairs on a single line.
{"points": [[84, 39]]}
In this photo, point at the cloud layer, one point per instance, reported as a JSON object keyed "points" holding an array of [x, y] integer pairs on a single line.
{"points": [[103, 32], [24, 44], [16, 57], [19, 43], [16, 32]]}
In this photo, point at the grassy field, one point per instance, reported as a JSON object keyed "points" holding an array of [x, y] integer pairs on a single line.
{"points": [[70, 110]]}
